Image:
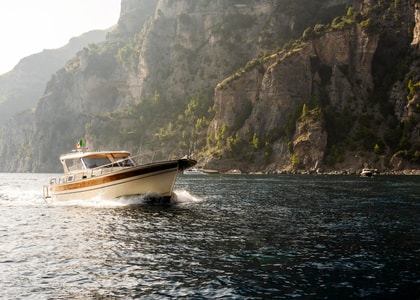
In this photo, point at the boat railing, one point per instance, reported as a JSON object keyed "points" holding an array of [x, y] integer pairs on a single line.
{"points": [[138, 160], [131, 161], [150, 157]]}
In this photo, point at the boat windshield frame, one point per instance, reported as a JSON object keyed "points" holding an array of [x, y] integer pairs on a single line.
{"points": [[96, 162]]}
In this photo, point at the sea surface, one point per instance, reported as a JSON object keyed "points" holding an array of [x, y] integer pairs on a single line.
{"points": [[223, 236]]}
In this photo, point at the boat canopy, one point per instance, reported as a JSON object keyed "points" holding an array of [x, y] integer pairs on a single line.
{"points": [[79, 161]]}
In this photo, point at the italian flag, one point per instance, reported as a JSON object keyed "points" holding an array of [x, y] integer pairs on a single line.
{"points": [[79, 144]]}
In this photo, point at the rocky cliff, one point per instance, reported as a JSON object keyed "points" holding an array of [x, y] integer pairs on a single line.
{"points": [[332, 72], [328, 103], [272, 86]]}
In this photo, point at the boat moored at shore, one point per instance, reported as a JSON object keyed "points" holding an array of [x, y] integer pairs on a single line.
{"points": [[194, 171], [368, 172]]}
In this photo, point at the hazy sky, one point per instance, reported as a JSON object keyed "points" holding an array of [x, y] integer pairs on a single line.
{"points": [[29, 26]]}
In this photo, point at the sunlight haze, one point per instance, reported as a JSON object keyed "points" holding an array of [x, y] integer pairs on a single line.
{"points": [[28, 27]]}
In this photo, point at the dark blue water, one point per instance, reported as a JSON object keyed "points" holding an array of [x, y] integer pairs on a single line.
{"points": [[226, 236]]}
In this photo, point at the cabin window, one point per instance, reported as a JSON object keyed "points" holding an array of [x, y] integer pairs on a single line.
{"points": [[74, 164], [91, 163]]}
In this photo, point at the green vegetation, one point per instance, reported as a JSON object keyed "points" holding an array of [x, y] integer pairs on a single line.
{"points": [[128, 56], [412, 88], [249, 66], [152, 125], [295, 161]]}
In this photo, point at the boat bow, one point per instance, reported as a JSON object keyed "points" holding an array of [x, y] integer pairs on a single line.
{"points": [[186, 163]]}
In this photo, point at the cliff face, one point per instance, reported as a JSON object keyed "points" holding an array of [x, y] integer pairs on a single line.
{"points": [[337, 64], [338, 75], [209, 76], [22, 87], [191, 46]]}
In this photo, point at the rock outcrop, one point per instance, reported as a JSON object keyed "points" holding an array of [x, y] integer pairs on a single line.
{"points": [[338, 63]]}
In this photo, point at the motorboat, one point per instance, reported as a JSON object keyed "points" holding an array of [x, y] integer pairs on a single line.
{"points": [[114, 174], [234, 171], [194, 171], [367, 172]]}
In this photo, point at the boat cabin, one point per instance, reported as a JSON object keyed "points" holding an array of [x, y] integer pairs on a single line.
{"points": [[82, 161]]}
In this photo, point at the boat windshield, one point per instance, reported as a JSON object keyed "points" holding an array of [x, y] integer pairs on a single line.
{"points": [[91, 163], [125, 161], [74, 164]]}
